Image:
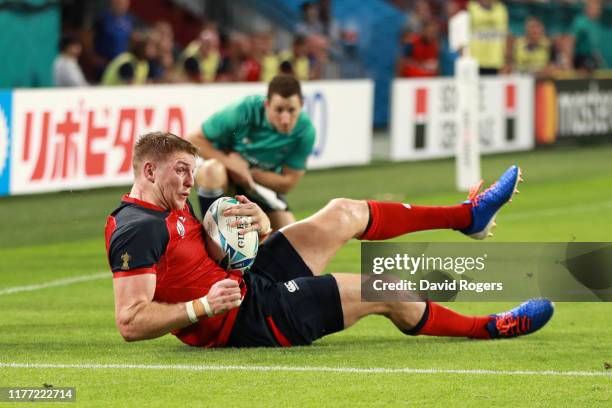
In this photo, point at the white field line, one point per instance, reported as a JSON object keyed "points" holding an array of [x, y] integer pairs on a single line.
{"points": [[342, 370], [55, 283]]}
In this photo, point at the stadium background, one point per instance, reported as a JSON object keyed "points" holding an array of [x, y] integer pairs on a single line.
{"points": [[56, 294]]}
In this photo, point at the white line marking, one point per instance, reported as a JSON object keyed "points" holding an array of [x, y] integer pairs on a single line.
{"points": [[347, 370], [55, 283]]}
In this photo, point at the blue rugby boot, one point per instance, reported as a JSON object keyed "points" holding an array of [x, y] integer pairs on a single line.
{"points": [[526, 318], [485, 205]]}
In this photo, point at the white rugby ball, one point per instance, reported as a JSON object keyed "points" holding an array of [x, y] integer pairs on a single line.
{"points": [[230, 249]]}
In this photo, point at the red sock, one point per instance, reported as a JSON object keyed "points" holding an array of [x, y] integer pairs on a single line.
{"points": [[441, 321], [389, 220]]}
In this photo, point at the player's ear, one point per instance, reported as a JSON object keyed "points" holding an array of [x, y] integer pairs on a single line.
{"points": [[267, 103], [149, 171]]}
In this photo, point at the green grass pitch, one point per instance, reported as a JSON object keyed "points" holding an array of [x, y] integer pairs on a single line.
{"points": [[567, 196]]}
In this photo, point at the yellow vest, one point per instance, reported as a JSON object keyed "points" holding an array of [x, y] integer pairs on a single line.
{"points": [[301, 66], [208, 65], [489, 29], [111, 73], [531, 59], [269, 67]]}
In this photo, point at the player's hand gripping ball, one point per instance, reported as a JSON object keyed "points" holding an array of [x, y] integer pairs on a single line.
{"points": [[231, 249]]}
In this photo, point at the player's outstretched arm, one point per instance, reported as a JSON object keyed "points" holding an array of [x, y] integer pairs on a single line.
{"points": [[138, 317]]}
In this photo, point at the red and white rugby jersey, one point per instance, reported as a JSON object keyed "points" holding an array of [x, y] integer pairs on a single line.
{"points": [[143, 238]]}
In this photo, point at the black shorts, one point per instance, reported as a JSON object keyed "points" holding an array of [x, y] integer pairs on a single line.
{"points": [[262, 204], [285, 304]]}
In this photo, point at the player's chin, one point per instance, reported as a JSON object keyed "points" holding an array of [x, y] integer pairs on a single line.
{"points": [[284, 129], [179, 202]]}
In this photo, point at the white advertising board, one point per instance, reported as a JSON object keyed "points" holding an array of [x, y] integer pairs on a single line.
{"points": [[424, 120], [62, 139]]}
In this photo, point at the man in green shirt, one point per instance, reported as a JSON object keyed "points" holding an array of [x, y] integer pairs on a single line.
{"points": [[587, 32], [257, 147]]}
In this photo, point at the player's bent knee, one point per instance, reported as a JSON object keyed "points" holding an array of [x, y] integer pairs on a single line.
{"points": [[350, 214], [211, 174], [343, 206]]}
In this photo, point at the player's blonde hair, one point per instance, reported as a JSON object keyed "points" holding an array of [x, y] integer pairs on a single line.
{"points": [[157, 146]]}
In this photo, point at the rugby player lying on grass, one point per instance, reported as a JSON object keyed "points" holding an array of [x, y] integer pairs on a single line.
{"points": [[165, 281]]}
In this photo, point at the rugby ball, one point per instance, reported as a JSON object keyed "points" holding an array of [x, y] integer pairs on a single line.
{"points": [[229, 248]]}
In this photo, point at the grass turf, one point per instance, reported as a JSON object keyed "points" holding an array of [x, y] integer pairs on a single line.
{"points": [[567, 196]]}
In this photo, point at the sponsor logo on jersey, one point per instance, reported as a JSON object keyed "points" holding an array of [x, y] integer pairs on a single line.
{"points": [[292, 286], [180, 228]]}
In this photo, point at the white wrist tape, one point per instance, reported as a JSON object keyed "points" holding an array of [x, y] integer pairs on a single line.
{"points": [[207, 308], [193, 318]]}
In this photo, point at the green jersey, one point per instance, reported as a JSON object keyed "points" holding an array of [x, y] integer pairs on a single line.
{"points": [[244, 128], [588, 34]]}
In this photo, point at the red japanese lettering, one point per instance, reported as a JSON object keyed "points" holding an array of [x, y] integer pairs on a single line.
{"points": [[66, 153], [126, 132], [41, 162], [174, 122], [94, 162], [148, 116], [27, 138]]}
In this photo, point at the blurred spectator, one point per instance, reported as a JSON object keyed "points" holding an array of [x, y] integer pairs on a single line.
{"points": [[125, 74], [192, 71], [323, 38], [350, 62], [161, 66], [153, 57], [295, 61], [421, 52], [321, 66], [448, 56], [206, 50], [561, 62], [263, 46], [489, 34], [531, 53], [312, 23], [66, 69], [238, 64], [286, 68], [333, 31], [112, 32], [587, 31], [419, 14], [134, 62]]}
